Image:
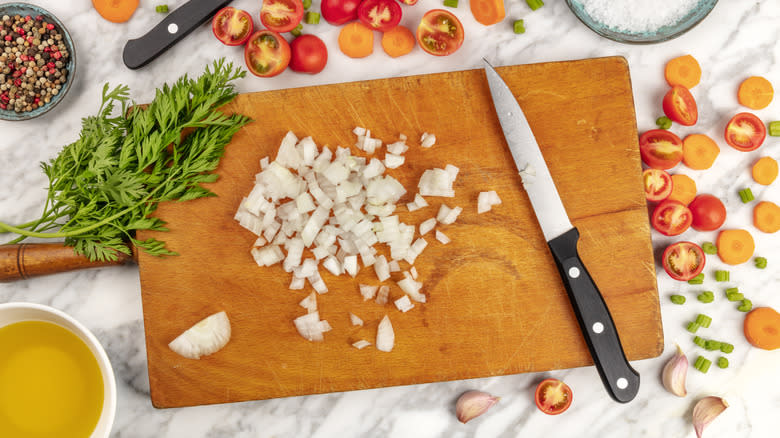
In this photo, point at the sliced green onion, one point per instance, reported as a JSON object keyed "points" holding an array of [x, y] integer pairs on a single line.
{"points": [[723, 362], [721, 275], [699, 279], [703, 320], [746, 195], [663, 122], [726, 347], [312, 17], [163, 9], [706, 297], [677, 299], [709, 248], [702, 364], [692, 327], [746, 306], [518, 26], [699, 341], [774, 129], [297, 31], [306, 4], [711, 345], [451, 3], [534, 4], [760, 262]]}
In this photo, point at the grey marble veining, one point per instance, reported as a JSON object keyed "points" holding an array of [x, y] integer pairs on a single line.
{"points": [[738, 39]]}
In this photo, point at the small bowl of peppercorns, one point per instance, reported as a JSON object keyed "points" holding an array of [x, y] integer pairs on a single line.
{"points": [[37, 61]]}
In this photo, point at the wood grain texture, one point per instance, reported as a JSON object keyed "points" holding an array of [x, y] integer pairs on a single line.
{"points": [[496, 303]]}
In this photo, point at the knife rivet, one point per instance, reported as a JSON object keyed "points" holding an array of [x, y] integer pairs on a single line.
{"points": [[598, 327], [173, 28], [622, 383], [574, 272]]}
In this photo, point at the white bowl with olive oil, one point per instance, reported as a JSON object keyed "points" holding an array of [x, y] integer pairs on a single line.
{"points": [[56, 378]]}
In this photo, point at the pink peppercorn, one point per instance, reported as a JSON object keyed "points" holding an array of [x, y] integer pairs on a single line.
{"points": [[8, 38], [50, 26]]}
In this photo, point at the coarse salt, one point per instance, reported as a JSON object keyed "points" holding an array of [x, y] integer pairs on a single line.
{"points": [[637, 16]]}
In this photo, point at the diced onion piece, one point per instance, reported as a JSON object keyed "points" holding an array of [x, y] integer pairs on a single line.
{"points": [[316, 282], [393, 161], [325, 326], [412, 288], [385, 337], [413, 272], [415, 250], [333, 265], [264, 162], [267, 255], [441, 237], [206, 337], [381, 268], [359, 130], [398, 147], [294, 254], [368, 291], [259, 242], [394, 266], [309, 326], [297, 283], [420, 201], [493, 197], [483, 203], [350, 265], [355, 320], [361, 344], [381, 297], [404, 304], [306, 269], [436, 182], [411, 206], [427, 140], [427, 225], [309, 303], [288, 155], [448, 215]]}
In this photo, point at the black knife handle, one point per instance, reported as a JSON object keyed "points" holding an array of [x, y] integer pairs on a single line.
{"points": [[169, 31], [621, 381]]}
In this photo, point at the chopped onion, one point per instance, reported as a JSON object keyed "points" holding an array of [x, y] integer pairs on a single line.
{"points": [[393, 161], [437, 182], [381, 268], [333, 265], [309, 326], [413, 272], [297, 283], [412, 288], [355, 320], [350, 265], [398, 147], [427, 140], [361, 344], [368, 291], [404, 304], [448, 215], [486, 201], [394, 266], [206, 337], [309, 303], [427, 225], [385, 337], [441, 237], [381, 297]]}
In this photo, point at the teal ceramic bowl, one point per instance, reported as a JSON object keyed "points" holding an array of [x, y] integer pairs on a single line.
{"points": [[692, 18], [25, 9]]}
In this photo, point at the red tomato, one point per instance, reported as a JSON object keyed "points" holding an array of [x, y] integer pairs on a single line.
{"points": [[266, 53], [338, 12], [658, 184], [671, 218], [708, 213], [381, 15], [232, 26], [309, 54], [680, 106], [683, 260], [553, 396], [440, 33], [660, 149], [281, 15], [745, 132]]}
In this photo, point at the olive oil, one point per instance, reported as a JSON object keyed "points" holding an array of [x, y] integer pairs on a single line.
{"points": [[50, 382]]}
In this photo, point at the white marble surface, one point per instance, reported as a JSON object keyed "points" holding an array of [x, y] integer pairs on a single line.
{"points": [[738, 39]]}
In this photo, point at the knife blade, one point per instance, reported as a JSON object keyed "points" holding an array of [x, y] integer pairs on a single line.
{"points": [[175, 26], [595, 321]]}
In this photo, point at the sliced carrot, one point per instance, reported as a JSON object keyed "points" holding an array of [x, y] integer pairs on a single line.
{"points": [[735, 246], [356, 40], [765, 170], [683, 188], [766, 216], [755, 92], [684, 71], [116, 11], [699, 151], [398, 41], [762, 328], [487, 12]]}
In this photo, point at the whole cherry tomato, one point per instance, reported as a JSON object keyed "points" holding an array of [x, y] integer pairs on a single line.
{"points": [[338, 12], [309, 54], [708, 213]]}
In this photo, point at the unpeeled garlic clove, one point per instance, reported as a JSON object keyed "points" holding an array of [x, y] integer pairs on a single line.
{"points": [[472, 404], [706, 410], [674, 374]]}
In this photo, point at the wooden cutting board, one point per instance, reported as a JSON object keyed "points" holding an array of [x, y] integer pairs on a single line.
{"points": [[496, 304]]}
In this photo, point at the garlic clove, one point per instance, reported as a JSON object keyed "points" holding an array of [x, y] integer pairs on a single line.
{"points": [[705, 411], [674, 374], [472, 404]]}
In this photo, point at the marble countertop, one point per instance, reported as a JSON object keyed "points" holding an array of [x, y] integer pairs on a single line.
{"points": [[738, 39]]}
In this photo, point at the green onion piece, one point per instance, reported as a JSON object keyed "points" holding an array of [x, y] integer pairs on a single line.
{"points": [[534, 4], [312, 17], [760, 262], [702, 364], [735, 296], [725, 347], [297, 31], [711, 345], [706, 297], [774, 129], [721, 275], [699, 279], [746, 306], [746, 195], [703, 320], [709, 248], [692, 327], [699, 341], [518, 26], [663, 122], [306, 4], [723, 362], [677, 299], [451, 3], [163, 9]]}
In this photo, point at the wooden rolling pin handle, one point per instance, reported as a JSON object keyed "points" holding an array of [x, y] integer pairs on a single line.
{"points": [[18, 262]]}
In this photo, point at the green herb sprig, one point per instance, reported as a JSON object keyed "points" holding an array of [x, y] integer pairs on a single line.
{"points": [[104, 186]]}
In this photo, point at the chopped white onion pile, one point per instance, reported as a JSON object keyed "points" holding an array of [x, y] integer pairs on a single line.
{"points": [[385, 337], [206, 337], [486, 201]]}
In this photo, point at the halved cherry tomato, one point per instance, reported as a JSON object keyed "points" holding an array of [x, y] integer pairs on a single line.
{"points": [[680, 106], [745, 132], [658, 184], [708, 213], [671, 218], [266, 53], [660, 149], [683, 260], [440, 33], [338, 12], [281, 15], [381, 15], [309, 54], [232, 26], [553, 396]]}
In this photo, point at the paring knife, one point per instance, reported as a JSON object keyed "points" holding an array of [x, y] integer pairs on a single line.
{"points": [[169, 31], [621, 381]]}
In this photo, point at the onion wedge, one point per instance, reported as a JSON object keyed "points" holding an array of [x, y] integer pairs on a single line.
{"points": [[206, 337]]}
